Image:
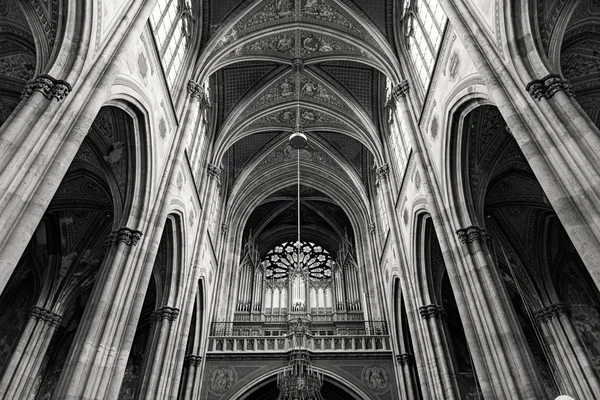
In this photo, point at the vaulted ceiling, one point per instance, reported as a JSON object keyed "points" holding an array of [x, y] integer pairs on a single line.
{"points": [[320, 63]]}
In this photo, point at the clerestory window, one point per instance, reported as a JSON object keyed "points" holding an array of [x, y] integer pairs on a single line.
{"points": [[423, 22], [170, 22]]}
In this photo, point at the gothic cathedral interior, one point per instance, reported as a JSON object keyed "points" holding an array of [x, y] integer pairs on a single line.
{"points": [[300, 199]]}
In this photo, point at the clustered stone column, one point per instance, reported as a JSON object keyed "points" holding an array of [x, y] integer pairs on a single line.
{"points": [[440, 366], [576, 375], [160, 367], [498, 347], [192, 376], [26, 359], [99, 353], [408, 387]]}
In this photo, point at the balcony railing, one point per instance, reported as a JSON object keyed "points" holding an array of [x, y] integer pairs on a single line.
{"points": [[324, 336]]}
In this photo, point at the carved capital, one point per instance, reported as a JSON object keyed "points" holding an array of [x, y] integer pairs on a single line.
{"points": [[404, 359], [472, 234], [551, 311], [548, 86], [130, 237], [195, 90], [400, 90], [168, 313], [48, 86], [382, 171], [432, 311], [46, 316], [193, 360], [214, 172]]}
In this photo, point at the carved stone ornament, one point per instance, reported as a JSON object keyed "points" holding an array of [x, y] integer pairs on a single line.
{"points": [[404, 359], [432, 311], [128, 236], [221, 379], [382, 171], [372, 228], [195, 90], [552, 311], [401, 90], [472, 234], [224, 228], [298, 65], [48, 86], [376, 378], [214, 172], [548, 86], [193, 360], [168, 313], [46, 316]]}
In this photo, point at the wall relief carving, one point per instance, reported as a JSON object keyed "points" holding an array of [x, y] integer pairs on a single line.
{"points": [[222, 379], [376, 378]]}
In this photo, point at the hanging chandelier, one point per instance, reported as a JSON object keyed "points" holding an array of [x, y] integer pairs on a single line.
{"points": [[299, 380]]}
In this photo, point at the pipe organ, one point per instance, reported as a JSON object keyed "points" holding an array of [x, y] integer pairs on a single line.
{"points": [[277, 287]]}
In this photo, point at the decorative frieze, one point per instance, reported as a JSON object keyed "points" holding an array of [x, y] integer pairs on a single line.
{"points": [[193, 360], [552, 311], [48, 317], [472, 234], [432, 311], [168, 313], [548, 86], [404, 359], [400, 90], [48, 86], [130, 237]]}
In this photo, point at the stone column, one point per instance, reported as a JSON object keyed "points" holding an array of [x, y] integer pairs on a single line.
{"points": [[440, 364], [499, 350], [576, 374], [99, 353], [408, 386], [559, 141], [27, 357], [191, 381], [43, 134], [159, 372]]}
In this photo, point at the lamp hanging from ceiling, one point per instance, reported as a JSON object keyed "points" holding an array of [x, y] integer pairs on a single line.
{"points": [[299, 380]]}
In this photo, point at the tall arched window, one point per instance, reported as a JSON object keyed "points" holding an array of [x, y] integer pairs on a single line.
{"points": [[423, 23], [170, 22]]}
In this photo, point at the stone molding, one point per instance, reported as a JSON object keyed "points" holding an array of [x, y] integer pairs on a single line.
{"points": [[130, 237], [169, 313], [193, 360], [404, 359], [48, 86], [432, 311], [401, 90], [551, 311], [548, 86], [46, 316], [471, 234]]}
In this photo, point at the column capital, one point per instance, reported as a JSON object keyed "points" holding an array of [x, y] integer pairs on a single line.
{"points": [[195, 90], [382, 171], [404, 359], [163, 313], [48, 86], [552, 311], [547, 86], [130, 237], [193, 360], [432, 311], [401, 90], [214, 172], [471, 234], [46, 316]]}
